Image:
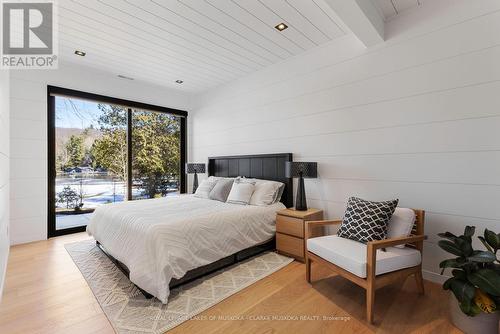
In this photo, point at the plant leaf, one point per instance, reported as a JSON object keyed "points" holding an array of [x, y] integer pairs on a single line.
{"points": [[474, 310], [463, 290], [447, 235], [465, 244], [484, 302], [447, 283], [485, 243], [450, 263], [460, 274], [469, 231], [450, 247], [487, 280], [465, 306], [483, 257], [492, 238]]}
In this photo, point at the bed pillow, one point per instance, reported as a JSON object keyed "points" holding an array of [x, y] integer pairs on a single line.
{"points": [[241, 192], [265, 192], [401, 224], [366, 221], [205, 187], [221, 190], [279, 193], [242, 179]]}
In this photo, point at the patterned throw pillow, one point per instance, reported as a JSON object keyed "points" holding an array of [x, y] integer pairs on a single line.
{"points": [[365, 220]]}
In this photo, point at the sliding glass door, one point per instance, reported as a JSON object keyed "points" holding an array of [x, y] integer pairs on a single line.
{"points": [[104, 150], [90, 158]]}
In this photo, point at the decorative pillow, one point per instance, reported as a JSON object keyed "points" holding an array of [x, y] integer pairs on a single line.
{"points": [[241, 192], [265, 192], [221, 190], [400, 224], [365, 220], [205, 187], [279, 193], [242, 179]]}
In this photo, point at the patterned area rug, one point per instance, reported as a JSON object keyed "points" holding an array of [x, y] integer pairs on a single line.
{"points": [[130, 312]]}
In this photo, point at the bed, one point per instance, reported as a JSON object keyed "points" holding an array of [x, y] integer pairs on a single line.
{"points": [[162, 243]]}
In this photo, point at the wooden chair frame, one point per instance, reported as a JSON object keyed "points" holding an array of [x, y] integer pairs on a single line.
{"points": [[372, 281]]}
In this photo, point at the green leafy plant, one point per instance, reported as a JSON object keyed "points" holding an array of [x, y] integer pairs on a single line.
{"points": [[476, 273]]}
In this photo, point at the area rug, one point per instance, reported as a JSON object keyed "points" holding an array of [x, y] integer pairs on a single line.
{"points": [[130, 312]]}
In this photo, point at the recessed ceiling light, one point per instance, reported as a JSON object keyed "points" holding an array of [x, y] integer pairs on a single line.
{"points": [[179, 81], [80, 53], [281, 26], [124, 77]]}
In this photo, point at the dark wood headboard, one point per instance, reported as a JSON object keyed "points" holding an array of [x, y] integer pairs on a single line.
{"points": [[260, 166]]}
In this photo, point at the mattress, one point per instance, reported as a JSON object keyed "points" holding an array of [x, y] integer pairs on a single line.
{"points": [[160, 239]]}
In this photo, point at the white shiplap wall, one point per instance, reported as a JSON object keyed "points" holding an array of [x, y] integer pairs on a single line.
{"points": [[416, 118], [4, 174], [28, 134]]}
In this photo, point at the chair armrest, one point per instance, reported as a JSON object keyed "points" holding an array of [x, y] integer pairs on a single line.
{"points": [[319, 223], [372, 246], [377, 244]]}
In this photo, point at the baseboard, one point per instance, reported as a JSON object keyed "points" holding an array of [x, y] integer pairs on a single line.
{"points": [[25, 239], [434, 277]]}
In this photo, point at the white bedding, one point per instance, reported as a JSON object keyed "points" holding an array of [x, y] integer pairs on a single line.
{"points": [[161, 239]]}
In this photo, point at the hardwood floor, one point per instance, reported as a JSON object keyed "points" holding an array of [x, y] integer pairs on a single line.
{"points": [[45, 293]]}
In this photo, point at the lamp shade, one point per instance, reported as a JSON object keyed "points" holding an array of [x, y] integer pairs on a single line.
{"points": [[307, 169], [192, 168]]}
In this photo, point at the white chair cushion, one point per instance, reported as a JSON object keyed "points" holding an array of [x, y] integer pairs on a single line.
{"points": [[351, 255], [400, 224]]}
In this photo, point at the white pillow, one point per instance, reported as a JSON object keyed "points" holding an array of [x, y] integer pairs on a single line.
{"points": [[242, 179], [266, 192], [241, 192], [277, 195], [205, 187], [400, 224]]}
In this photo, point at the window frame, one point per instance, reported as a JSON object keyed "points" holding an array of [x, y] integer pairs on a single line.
{"points": [[52, 92]]}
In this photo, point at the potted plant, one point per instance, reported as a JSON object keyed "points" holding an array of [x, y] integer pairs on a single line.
{"points": [[475, 280]]}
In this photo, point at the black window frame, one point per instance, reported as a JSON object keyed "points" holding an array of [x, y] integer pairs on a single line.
{"points": [[52, 92]]}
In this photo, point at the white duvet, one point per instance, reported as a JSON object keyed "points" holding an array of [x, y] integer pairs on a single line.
{"points": [[161, 239]]}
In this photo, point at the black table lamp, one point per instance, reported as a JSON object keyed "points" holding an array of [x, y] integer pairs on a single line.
{"points": [[195, 168], [301, 170]]}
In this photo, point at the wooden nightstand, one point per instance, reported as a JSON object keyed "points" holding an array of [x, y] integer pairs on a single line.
{"points": [[290, 229]]}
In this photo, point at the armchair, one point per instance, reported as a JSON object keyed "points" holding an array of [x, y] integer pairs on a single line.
{"points": [[367, 265]]}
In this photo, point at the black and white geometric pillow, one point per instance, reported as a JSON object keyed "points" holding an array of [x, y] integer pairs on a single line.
{"points": [[366, 220]]}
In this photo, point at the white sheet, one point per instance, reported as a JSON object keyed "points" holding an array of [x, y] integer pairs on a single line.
{"points": [[161, 239]]}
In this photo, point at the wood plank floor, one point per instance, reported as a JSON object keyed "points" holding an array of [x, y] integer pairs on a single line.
{"points": [[45, 293]]}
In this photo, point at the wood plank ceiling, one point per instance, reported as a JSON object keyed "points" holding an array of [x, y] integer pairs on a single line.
{"points": [[205, 43]]}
